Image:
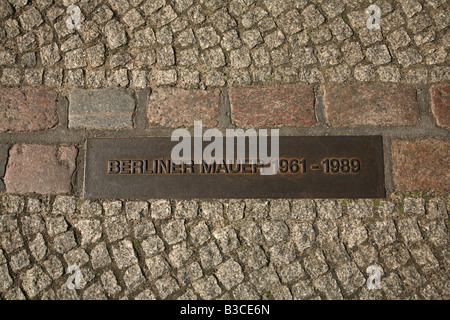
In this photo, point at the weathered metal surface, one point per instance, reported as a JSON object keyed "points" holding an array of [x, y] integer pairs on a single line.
{"points": [[317, 167]]}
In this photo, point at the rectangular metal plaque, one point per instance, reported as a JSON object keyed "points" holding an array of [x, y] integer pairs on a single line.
{"points": [[309, 167]]}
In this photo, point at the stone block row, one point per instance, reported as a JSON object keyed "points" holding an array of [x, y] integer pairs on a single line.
{"points": [[345, 105]]}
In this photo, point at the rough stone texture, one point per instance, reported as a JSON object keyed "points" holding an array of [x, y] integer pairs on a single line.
{"points": [[290, 105], [440, 104], [170, 107], [109, 109], [377, 105], [432, 174], [50, 175], [27, 109]]}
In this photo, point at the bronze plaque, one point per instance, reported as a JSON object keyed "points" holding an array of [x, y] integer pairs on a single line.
{"points": [[309, 167]]}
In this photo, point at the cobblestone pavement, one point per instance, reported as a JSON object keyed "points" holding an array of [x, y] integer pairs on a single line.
{"points": [[299, 249], [212, 43]]}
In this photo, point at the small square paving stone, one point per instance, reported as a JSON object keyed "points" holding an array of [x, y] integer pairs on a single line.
{"points": [[143, 229], [164, 16], [409, 230], [112, 208], [100, 256], [303, 235], [315, 264], [38, 205], [250, 232], [190, 273], [264, 279], [424, 257], [174, 231], [37, 247], [303, 209], [180, 254], [275, 231], [34, 281], [395, 256], [200, 233], [230, 274], [133, 277], [77, 257], [116, 228], [94, 292], [383, 232], [393, 286], [353, 233], [327, 231], [161, 209], [253, 16], [378, 54], [19, 261], [115, 34], [90, 230], [292, 272], [253, 257], [54, 267], [414, 206], [157, 266], [336, 253], [282, 253], [64, 242], [365, 256], [210, 256], [124, 255], [302, 290], [166, 287], [5, 278], [146, 295], [207, 288], [152, 245], [187, 209], [136, 210], [350, 277], [13, 204], [30, 19], [312, 17], [90, 209], [32, 225], [212, 211], [244, 291], [8, 223], [328, 209], [328, 286], [109, 282], [435, 231], [11, 241], [411, 277], [64, 205]]}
